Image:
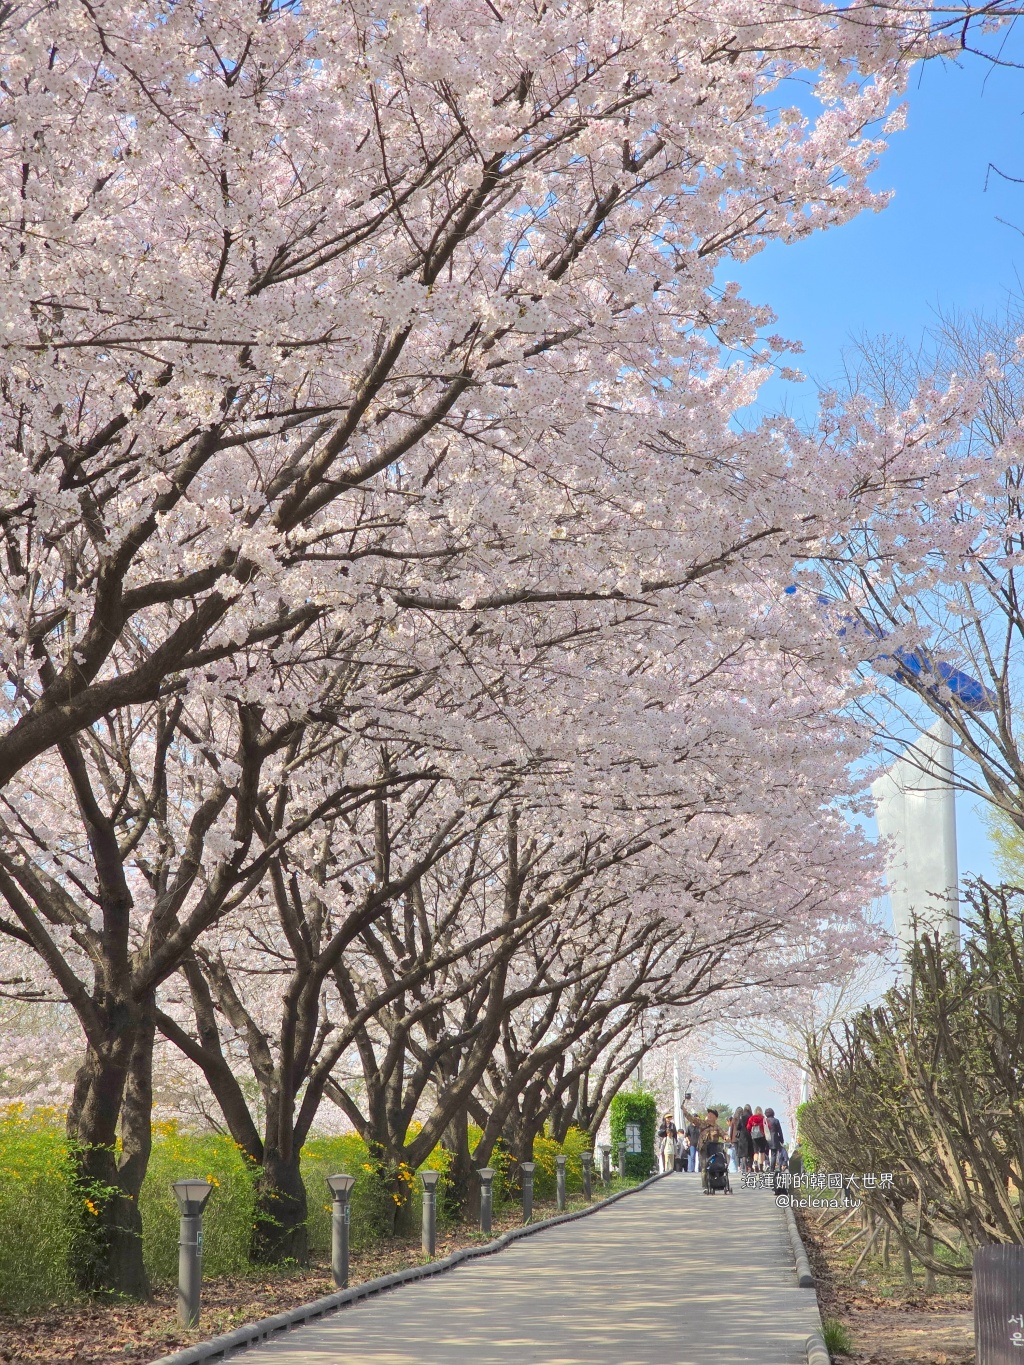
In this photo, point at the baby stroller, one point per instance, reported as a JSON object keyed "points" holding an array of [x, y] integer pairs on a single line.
{"points": [[716, 1169]]}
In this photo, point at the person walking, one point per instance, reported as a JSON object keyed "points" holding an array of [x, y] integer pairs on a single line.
{"points": [[707, 1131], [667, 1143], [681, 1146], [756, 1129], [709, 1138], [693, 1151], [730, 1139], [740, 1139], [776, 1140]]}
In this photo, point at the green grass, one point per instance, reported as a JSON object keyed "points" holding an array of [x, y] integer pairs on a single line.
{"points": [[838, 1341]]}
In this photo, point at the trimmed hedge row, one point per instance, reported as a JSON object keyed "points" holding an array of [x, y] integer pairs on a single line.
{"points": [[635, 1107]]}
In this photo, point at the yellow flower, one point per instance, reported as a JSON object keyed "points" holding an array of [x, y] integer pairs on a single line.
{"points": [[92, 1208]]}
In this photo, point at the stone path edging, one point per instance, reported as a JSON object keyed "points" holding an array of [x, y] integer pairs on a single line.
{"points": [[253, 1332], [804, 1274], [817, 1351]]}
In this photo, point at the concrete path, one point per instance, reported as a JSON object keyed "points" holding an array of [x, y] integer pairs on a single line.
{"points": [[667, 1276]]}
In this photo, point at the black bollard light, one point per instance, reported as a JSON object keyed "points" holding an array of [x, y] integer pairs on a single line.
{"points": [[560, 1183], [622, 1161], [486, 1197], [526, 1167], [191, 1196], [606, 1164], [585, 1159], [340, 1187], [429, 1241]]}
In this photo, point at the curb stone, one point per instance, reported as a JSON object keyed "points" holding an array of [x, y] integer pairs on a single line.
{"points": [[817, 1351], [218, 1348], [804, 1274]]}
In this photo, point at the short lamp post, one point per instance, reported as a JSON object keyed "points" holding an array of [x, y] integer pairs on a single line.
{"points": [[191, 1196], [586, 1158], [526, 1167], [606, 1164], [486, 1197], [622, 1161], [429, 1241], [560, 1183], [340, 1187]]}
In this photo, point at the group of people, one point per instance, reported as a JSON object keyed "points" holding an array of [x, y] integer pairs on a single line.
{"points": [[754, 1139]]}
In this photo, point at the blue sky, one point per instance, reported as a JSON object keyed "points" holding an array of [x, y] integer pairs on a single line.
{"points": [[940, 245]]}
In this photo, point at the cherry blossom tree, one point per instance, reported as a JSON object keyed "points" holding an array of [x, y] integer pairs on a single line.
{"points": [[393, 928], [301, 317], [930, 580], [115, 860], [326, 908], [362, 372]]}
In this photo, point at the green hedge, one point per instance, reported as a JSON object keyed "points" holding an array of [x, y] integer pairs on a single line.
{"points": [[227, 1223], [372, 1195], [635, 1106], [37, 1209], [545, 1150], [806, 1150], [38, 1199]]}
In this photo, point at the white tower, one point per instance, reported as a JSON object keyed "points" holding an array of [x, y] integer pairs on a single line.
{"points": [[916, 809]]}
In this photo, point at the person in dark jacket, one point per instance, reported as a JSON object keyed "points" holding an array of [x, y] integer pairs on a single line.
{"points": [[693, 1155], [776, 1141], [682, 1148], [705, 1130], [742, 1147]]}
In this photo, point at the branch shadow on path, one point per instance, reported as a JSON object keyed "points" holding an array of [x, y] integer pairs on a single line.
{"points": [[668, 1276]]}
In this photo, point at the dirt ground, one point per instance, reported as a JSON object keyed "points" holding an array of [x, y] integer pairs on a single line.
{"points": [[133, 1334], [889, 1323]]}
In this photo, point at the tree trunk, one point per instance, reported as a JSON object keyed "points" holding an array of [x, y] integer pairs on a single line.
{"points": [[281, 1230], [530, 1129], [908, 1264], [112, 1084], [929, 1248], [564, 1112], [462, 1178]]}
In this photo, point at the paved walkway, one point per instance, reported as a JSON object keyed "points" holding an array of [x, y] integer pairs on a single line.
{"points": [[667, 1276]]}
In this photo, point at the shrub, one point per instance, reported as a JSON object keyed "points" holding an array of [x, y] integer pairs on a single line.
{"points": [[37, 1209], [635, 1106], [804, 1121], [577, 1140], [373, 1195], [440, 1159], [228, 1221], [545, 1150], [504, 1168], [40, 1205], [370, 1196]]}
